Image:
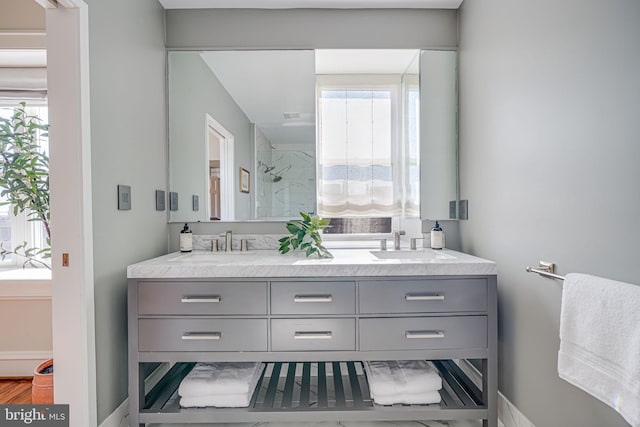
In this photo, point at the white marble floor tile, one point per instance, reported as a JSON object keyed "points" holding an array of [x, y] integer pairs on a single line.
{"points": [[470, 423]]}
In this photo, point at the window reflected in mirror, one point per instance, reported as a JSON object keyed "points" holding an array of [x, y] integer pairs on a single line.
{"points": [[368, 137]]}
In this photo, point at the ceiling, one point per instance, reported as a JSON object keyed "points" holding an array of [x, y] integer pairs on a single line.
{"points": [[311, 4], [367, 61], [276, 89], [268, 84]]}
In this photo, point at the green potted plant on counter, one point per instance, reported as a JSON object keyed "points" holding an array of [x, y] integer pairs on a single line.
{"points": [[305, 235]]}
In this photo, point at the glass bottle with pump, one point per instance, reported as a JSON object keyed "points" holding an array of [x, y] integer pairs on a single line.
{"points": [[186, 239], [437, 237]]}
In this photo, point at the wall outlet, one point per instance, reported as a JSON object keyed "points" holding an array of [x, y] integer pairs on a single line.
{"points": [[124, 197], [160, 200], [453, 214], [195, 201], [173, 201], [464, 209]]}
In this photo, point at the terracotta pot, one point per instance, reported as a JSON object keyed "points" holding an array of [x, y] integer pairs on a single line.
{"points": [[42, 386]]}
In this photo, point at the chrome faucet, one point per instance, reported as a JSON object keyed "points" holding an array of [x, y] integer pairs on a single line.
{"points": [[396, 239], [228, 240]]}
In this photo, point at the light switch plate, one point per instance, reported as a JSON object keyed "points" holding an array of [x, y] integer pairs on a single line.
{"points": [[452, 210], [464, 209], [173, 201], [160, 200], [124, 197], [195, 201]]}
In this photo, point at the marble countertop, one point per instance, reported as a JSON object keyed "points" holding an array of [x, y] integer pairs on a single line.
{"points": [[345, 263]]}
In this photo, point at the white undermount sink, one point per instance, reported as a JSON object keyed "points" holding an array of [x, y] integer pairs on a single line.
{"points": [[417, 255]]}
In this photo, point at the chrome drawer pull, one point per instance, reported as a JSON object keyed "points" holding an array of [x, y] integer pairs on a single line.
{"points": [[201, 298], [313, 298], [419, 335], [202, 336], [424, 297], [312, 335]]}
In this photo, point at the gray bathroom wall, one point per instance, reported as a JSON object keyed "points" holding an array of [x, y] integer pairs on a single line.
{"points": [[128, 146], [193, 92], [311, 28], [549, 131]]}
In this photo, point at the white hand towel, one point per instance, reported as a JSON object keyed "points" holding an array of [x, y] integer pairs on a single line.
{"points": [[424, 398], [221, 378], [241, 400], [600, 341], [389, 378]]}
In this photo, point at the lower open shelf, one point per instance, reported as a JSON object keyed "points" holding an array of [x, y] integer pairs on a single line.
{"points": [[291, 391]]}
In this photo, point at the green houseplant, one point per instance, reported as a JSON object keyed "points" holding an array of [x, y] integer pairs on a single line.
{"points": [[24, 184], [24, 179], [305, 235]]}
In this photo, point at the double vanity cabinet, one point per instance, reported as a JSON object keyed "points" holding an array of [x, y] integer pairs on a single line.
{"points": [[312, 323]]}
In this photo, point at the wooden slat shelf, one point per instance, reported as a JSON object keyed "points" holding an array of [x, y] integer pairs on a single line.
{"points": [[307, 387]]}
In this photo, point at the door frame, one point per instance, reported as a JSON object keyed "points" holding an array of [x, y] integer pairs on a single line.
{"points": [[73, 316], [227, 176]]}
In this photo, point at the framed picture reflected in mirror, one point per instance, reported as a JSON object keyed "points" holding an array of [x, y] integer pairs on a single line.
{"points": [[245, 180]]}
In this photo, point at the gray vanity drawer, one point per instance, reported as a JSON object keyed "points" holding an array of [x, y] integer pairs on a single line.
{"points": [[202, 334], [165, 298], [313, 297], [423, 333], [313, 334], [423, 296]]}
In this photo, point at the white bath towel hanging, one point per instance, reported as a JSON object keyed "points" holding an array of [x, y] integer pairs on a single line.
{"points": [[600, 341]]}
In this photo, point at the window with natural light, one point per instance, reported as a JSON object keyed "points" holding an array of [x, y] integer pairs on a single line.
{"points": [[18, 229], [368, 155]]}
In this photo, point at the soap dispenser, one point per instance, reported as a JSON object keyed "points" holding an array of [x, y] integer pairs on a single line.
{"points": [[186, 239], [437, 237]]}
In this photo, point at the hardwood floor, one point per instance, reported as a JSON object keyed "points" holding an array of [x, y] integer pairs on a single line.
{"points": [[15, 391]]}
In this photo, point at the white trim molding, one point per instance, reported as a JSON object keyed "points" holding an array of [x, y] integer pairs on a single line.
{"points": [[21, 363], [31, 284], [73, 303], [120, 416], [508, 414]]}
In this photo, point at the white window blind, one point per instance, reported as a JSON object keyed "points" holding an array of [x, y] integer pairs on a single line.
{"points": [[361, 154]]}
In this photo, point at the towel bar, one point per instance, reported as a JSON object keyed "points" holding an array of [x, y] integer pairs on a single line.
{"points": [[546, 269]]}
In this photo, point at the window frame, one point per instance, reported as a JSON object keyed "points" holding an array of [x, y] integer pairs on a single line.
{"points": [[21, 228], [391, 82], [395, 83]]}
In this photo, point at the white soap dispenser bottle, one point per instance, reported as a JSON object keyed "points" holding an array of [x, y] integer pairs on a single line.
{"points": [[437, 237], [186, 239]]}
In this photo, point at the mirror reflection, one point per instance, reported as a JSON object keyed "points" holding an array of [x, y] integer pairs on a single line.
{"points": [[250, 110], [332, 131]]}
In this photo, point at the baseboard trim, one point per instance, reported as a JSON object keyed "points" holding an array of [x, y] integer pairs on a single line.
{"points": [[21, 363], [26, 355], [508, 414], [119, 417]]}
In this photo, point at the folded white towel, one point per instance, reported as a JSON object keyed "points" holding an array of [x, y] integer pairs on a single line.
{"points": [[390, 378], [224, 378], [424, 398], [241, 400], [600, 341]]}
